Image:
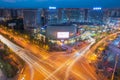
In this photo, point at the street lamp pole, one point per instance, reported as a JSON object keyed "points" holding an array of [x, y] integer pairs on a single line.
{"points": [[116, 61]]}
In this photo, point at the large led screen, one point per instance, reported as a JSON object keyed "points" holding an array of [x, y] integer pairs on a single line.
{"points": [[62, 35]]}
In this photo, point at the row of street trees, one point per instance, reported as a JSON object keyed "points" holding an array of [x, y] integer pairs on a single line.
{"points": [[8, 65]]}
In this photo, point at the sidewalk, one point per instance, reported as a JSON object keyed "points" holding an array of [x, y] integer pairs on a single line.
{"points": [[2, 77]]}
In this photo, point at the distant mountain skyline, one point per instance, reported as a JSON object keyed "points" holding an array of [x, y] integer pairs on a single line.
{"points": [[59, 3]]}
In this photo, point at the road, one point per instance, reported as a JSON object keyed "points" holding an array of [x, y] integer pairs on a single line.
{"points": [[27, 57], [55, 66], [98, 43], [70, 62], [36, 63]]}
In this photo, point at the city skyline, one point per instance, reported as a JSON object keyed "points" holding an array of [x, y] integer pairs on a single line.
{"points": [[60, 39]]}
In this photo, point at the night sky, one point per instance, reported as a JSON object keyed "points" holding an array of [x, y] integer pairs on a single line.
{"points": [[59, 3]]}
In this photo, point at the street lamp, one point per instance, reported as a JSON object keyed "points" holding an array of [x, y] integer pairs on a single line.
{"points": [[116, 61]]}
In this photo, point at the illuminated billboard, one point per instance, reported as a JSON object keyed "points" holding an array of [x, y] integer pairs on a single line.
{"points": [[52, 7], [62, 35]]}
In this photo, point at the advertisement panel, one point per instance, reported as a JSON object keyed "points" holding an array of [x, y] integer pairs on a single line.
{"points": [[62, 35]]}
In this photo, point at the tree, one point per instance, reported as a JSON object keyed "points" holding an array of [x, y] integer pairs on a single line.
{"points": [[46, 40], [42, 39]]}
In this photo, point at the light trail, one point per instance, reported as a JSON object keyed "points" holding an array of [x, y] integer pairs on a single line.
{"points": [[78, 57], [83, 77], [37, 63], [20, 52], [64, 65], [89, 72]]}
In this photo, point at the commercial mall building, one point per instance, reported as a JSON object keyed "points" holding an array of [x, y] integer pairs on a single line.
{"points": [[61, 33]]}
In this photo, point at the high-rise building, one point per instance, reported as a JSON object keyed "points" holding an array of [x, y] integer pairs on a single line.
{"points": [[19, 13], [86, 14], [96, 16], [14, 13], [1, 12], [52, 16], [31, 20], [44, 17], [5, 13]]}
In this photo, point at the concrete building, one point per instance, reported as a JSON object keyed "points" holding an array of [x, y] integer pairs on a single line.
{"points": [[19, 13], [95, 16], [72, 15], [5, 13], [31, 19], [61, 32], [66, 15]]}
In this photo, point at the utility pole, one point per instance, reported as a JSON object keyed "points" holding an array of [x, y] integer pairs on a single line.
{"points": [[116, 61]]}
